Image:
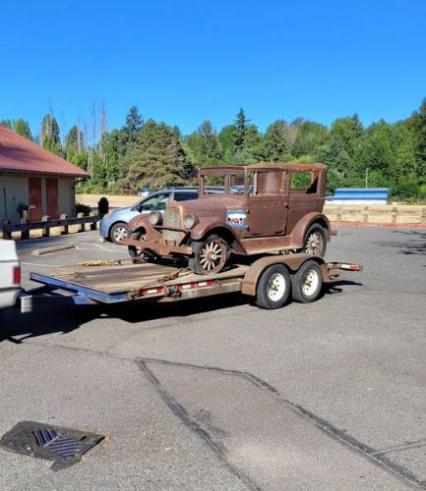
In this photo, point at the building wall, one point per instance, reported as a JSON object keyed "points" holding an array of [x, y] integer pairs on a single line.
{"points": [[66, 192], [14, 191]]}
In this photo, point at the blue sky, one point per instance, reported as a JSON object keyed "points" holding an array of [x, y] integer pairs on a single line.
{"points": [[185, 61]]}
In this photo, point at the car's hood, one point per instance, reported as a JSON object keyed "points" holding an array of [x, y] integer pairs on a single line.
{"points": [[207, 205]]}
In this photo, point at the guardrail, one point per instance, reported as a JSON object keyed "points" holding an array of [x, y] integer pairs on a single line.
{"points": [[45, 224], [342, 196]]}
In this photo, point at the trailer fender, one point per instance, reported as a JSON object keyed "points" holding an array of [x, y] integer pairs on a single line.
{"points": [[301, 227], [293, 262]]}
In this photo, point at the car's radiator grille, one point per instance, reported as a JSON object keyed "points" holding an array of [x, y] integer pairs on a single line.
{"points": [[172, 218]]}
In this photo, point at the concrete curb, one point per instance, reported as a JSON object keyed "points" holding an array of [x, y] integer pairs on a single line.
{"points": [[51, 249]]}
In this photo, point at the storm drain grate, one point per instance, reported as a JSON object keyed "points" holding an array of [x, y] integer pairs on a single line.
{"points": [[64, 446]]}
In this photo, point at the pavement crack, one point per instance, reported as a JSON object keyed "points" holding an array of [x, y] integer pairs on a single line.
{"points": [[376, 457], [179, 411]]}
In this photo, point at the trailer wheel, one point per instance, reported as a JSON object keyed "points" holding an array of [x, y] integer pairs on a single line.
{"points": [[307, 282], [273, 287]]}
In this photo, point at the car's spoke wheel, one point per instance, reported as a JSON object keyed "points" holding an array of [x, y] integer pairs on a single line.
{"points": [[307, 282], [209, 256], [273, 287], [315, 241]]}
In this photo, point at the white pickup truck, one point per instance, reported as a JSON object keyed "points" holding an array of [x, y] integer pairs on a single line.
{"points": [[10, 274]]}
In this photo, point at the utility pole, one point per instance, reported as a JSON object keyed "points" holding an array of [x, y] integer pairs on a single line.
{"points": [[366, 177]]}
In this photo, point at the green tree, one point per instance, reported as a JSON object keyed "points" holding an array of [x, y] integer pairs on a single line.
{"points": [[157, 159], [50, 134], [204, 145], [240, 130], [310, 137], [22, 127], [417, 125], [6, 122], [75, 151], [226, 139], [278, 141], [134, 121]]}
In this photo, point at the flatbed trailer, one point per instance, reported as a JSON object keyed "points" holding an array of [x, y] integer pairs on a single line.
{"points": [[271, 280]]}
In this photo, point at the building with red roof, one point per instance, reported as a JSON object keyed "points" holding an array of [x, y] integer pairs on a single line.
{"points": [[34, 178]]}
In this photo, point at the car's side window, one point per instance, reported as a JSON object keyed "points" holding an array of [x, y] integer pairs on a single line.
{"points": [[306, 182], [269, 182], [156, 202], [185, 195]]}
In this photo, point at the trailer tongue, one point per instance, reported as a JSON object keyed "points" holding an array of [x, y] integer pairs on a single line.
{"points": [[271, 280]]}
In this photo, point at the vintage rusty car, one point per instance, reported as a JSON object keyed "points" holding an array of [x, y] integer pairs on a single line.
{"points": [[265, 208]]}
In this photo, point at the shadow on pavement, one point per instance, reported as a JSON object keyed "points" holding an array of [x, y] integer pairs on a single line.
{"points": [[54, 313], [414, 243]]}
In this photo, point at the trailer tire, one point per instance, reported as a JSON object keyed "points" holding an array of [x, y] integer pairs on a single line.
{"points": [[273, 288], [307, 282]]}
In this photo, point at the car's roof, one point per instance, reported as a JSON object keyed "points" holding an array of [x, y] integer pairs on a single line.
{"points": [[287, 166], [240, 169]]}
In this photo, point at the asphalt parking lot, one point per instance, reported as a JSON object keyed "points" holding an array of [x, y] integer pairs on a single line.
{"points": [[218, 394]]}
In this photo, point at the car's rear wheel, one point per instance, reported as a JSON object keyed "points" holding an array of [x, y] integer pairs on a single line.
{"points": [[209, 255], [315, 243], [118, 231]]}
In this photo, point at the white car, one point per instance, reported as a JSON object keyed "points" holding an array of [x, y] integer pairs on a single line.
{"points": [[10, 274]]}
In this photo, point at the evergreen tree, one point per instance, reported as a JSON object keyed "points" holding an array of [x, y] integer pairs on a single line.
{"points": [[204, 145], [6, 122], [134, 121], [75, 151], [157, 159], [278, 141], [310, 136], [49, 134], [240, 130], [417, 126], [22, 127]]}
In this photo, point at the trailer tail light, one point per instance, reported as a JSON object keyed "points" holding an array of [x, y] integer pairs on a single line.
{"points": [[17, 275], [350, 267]]}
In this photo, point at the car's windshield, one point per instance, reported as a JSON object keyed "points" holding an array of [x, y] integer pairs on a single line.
{"points": [[227, 183], [155, 202]]}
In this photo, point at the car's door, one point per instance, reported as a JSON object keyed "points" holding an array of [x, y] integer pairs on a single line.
{"points": [[267, 204]]}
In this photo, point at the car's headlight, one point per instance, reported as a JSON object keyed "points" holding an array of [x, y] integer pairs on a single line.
{"points": [[189, 221], [155, 218]]}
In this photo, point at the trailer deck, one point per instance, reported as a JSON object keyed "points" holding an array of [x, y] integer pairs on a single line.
{"points": [[124, 282], [265, 278]]}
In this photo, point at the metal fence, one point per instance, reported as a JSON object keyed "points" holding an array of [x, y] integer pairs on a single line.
{"points": [[45, 224]]}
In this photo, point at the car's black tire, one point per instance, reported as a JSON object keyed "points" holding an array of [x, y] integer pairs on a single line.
{"points": [[307, 282], [136, 254], [118, 230], [315, 242], [210, 255], [273, 288]]}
